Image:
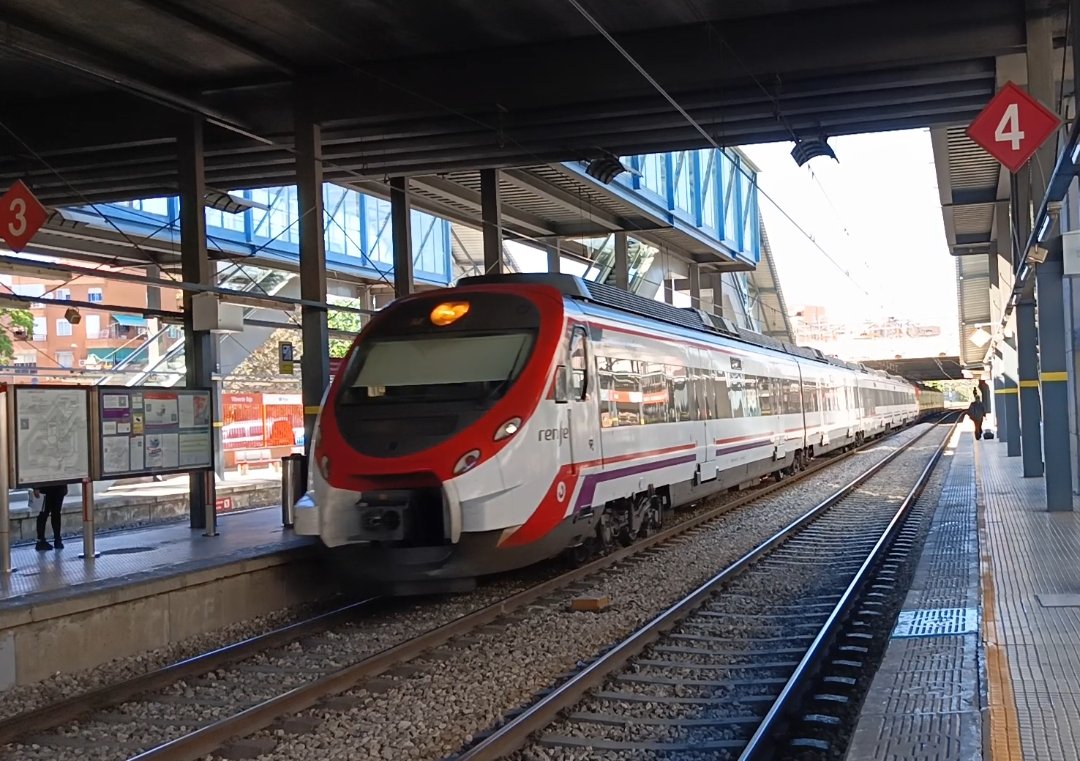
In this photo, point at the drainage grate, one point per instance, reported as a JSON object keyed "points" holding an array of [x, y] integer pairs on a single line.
{"points": [[935, 622], [125, 551]]}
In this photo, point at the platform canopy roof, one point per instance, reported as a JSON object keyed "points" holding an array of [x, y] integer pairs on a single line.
{"points": [[94, 91], [921, 369]]}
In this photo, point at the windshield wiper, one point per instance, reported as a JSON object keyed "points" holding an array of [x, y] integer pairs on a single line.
{"points": [[505, 381]]}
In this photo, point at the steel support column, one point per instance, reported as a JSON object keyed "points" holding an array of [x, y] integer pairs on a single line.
{"points": [[491, 212], [1000, 418], [1010, 399], [718, 293], [622, 263], [554, 257], [695, 285], [315, 360], [1030, 412], [196, 268], [669, 290], [1054, 376], [401, 233]]}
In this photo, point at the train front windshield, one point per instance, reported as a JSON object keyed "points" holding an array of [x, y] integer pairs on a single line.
{"points": [[440, 368]]}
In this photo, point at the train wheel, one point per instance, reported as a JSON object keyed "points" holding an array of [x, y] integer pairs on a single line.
{"points": [[581, 554]]}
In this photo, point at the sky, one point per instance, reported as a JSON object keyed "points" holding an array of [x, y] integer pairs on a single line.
{"points": [[876, 213]]}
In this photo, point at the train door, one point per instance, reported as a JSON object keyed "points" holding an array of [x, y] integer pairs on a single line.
{"points": [[582, 398]]}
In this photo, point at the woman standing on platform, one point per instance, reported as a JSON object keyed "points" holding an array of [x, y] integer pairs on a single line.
{"points": [[51, 500]]}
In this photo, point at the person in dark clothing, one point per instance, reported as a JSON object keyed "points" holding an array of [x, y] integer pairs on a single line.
{"points": [[50, 508], [977, 412]]}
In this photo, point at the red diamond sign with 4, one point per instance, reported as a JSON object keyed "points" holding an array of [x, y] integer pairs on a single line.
{"points": [[1013, 126], [21, 216]]}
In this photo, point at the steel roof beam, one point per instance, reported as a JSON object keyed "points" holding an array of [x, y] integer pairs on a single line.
{"points": [[471, 198], [862, 37], [564, 199], [222, 32]]}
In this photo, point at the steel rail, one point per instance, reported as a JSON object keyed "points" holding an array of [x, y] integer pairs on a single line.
{"points": [[212, 736], [763, 742], [76, 706], [515, 733]]}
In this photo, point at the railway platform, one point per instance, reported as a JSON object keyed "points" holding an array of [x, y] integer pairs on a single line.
{"points": [[147, 587], [983, 661]]}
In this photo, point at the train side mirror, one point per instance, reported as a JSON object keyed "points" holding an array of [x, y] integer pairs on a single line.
{"points": [[560, 384]]}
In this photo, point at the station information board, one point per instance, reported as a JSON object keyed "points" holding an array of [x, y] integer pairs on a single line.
{"points": [[153, 431], [49, 435]]}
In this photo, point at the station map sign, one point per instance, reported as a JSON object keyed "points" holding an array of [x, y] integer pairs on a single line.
{"points": [[153, 431], [49, 434]]}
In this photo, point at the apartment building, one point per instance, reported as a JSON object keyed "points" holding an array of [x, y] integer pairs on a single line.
{"points": [[99, 339]]}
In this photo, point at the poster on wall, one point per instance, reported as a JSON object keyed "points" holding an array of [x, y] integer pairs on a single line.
{"points": [[154, 431], [50, 435]]}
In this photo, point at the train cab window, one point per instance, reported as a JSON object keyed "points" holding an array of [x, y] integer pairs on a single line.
{"points": [[579, 365]]}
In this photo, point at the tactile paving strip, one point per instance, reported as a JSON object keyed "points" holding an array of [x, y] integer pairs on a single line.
{"points": [[936, 622], [1036, 562]]}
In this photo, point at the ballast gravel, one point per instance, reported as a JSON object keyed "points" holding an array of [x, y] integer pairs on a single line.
{"points": [[433, 711]]}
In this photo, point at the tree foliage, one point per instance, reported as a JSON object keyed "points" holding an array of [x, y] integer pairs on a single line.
{"points": [[11, 322], [337, 320]]}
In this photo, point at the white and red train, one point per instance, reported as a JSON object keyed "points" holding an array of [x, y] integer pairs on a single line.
{"points": [[486, 427]]}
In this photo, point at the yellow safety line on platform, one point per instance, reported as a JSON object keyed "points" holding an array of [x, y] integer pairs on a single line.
{"points": [[1007, 391], [1054, 376], [1029, 384], [312, 410], [1004, 726]]}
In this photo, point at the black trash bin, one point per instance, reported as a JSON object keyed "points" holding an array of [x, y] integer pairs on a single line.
{"points": [[293, 485]]}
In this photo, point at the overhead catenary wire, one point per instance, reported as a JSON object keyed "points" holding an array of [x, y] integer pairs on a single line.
{"points": [[704, 133], [480, 122]]}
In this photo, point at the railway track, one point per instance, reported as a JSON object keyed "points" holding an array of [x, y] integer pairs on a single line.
{"points": [[759, 671], [187, 710]]}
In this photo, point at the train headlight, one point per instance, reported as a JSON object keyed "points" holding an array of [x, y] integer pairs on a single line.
{"points": [[508, 429], [467, 462], [449, 312]]}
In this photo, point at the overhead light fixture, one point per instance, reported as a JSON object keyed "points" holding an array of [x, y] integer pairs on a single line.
{"points": [[230, 204], [980, 337], [72, 315], [58, 221], [807, 148], [605, 169], [1036, 255]]}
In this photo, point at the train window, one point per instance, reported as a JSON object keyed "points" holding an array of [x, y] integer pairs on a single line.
{"points": [[605, 382], [680, 393], [765, 395], [626, 391], [654, 394], [793, 405], [735, 395], [579, 364], [723, 399], [751, 402], [701, 401]]}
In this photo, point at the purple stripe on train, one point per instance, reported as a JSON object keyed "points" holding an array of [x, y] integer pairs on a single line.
{"points": [[742, 447], [588, 486]]}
